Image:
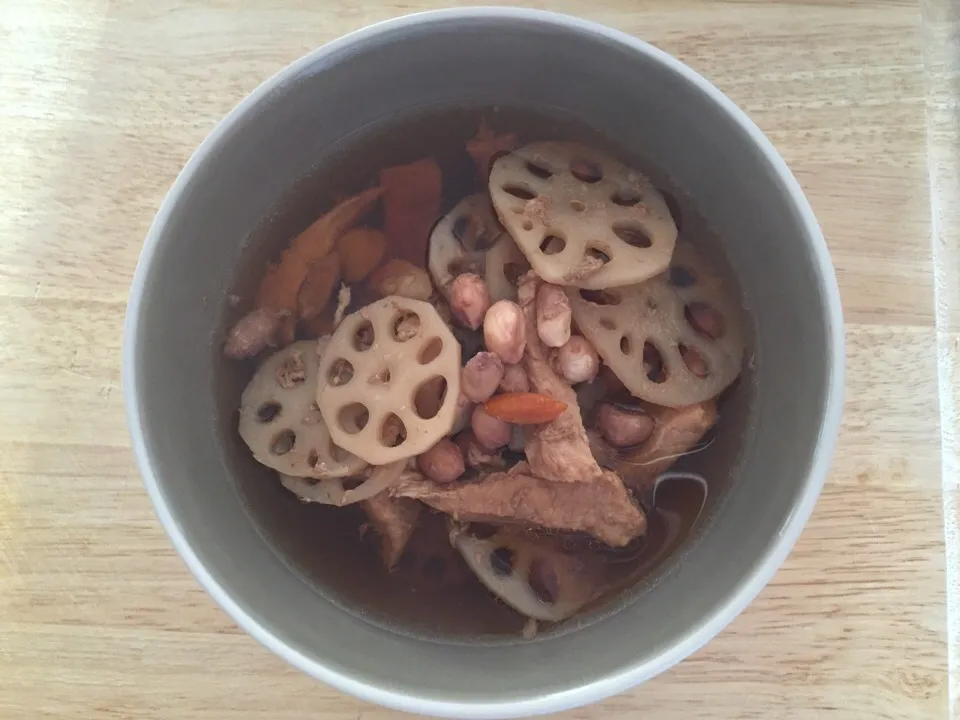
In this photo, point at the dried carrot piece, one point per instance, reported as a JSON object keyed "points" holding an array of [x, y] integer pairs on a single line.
{"points": [[281, 283], [486, 146], [411, 205], [317, 288]]}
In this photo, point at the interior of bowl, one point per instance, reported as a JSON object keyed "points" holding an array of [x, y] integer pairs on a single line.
{"points": [[325, 603]]}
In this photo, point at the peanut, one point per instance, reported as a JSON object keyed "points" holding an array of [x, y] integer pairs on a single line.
{"points": [[252, 334], [469, 299], [554, 315], [577, 360], [515, 379], [481, 376], [622, 428], [399, 277], [505, 331], [490, 432], [443, 463]]}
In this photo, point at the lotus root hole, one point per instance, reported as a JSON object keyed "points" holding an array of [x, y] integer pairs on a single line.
{"points": [[406, 326], [673, 207], [393, 432], [501, 561], [680, 277], [607, 324], [552, 245], [465, 229], [626, 197], [512, 272], [353, 418], [519, 191], [578, 205], [313, 458], [653, 363], [430, 396], [601, 297], [283, 442], [268, 412], [517, 209], [632, 235], [597, 254], [363, 337], [381, 378], [586, 171], [528, 225], [694, 361], [538, 170], [705, 320], [625, 345], [430, 351], [544, 581], [337, 453], [341, 372]]}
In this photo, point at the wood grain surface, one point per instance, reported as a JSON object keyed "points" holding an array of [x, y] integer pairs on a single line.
{"points": [[101, 103]]}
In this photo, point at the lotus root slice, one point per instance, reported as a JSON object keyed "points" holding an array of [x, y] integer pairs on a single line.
{"points": [[377, 363], [675, 340], [581, 217], [280, 420], [469, 238]]}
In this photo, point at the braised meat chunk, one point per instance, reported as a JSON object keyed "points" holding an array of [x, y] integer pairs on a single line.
{"points": [[394, 519], [558, 450], [602, 508]]}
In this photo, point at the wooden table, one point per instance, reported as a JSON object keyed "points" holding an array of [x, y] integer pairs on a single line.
{"points": [[102, 101]]}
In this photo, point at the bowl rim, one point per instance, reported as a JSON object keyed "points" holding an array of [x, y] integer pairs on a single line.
{"points": [[749, 586]]}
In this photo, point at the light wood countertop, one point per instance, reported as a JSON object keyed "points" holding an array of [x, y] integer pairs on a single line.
{"points": [[101, 103]]}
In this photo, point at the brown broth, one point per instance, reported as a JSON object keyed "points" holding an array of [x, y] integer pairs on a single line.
{"points": [[432, 593]]}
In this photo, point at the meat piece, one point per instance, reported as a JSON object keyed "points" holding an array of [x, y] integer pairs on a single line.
{"points": [[411, 205], [675, 431], [394, 519], [558, 450], [486, 146], [601, 508], [360, 251]]}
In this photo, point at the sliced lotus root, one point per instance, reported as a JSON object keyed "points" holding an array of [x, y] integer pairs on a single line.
{"points": [[470, 239], [280, 420], [378, 361], [670, 343], [531, 576], [581, 217]]}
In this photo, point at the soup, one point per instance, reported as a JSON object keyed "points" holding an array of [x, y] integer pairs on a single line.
{"points": [[479, 374]]}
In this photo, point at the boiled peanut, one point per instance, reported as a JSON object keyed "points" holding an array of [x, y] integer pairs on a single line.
{"points": [[481, 376], [469, 299], [505, 331], [515, 379], [490, 432], [554, 315], [252, 334], [399, 277], [443, 463], [622, 428], [578, 361]]}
